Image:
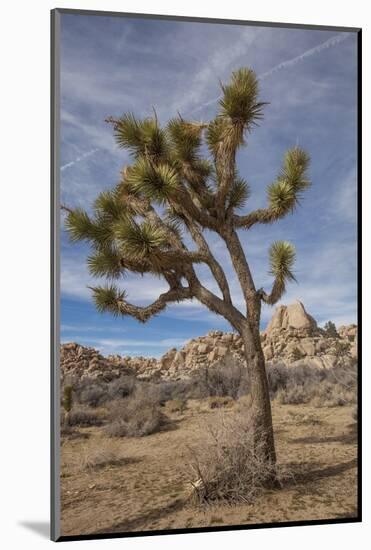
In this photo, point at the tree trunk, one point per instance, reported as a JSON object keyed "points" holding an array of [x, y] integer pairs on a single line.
{"points": [[260, 399]]}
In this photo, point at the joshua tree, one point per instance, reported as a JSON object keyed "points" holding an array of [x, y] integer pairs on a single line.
{"points": [[175, 192]]}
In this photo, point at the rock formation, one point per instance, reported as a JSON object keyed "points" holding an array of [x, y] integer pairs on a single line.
{"points": [[291, 337]]}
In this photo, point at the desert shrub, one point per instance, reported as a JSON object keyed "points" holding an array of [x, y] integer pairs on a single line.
{"points": [[176, 405], [342, 353], [322, 387], [136, 416], [224, 379], [231, 467], [93, 396], [293, 395], [278, 375], [181, 389], [121, 387], [217, 402], [334, 395], [82, 416]]}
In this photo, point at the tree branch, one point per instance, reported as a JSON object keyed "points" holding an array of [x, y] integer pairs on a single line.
{"points": [[278, 289], [225, 161], [261, 215], [119, 306], [242, 270], [215, 268], [215, 304]]}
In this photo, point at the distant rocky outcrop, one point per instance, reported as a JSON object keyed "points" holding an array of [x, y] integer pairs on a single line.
{"points": [[291, 336]]}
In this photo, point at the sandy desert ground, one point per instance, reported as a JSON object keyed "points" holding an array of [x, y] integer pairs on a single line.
{"points": [[147, 488]]}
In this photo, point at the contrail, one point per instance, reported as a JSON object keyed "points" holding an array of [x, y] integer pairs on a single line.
{"points": [[78, 159], [317, 49], [289, 63]]}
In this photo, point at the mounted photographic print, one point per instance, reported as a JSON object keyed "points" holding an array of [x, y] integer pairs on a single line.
{"points": [[205, 287]]}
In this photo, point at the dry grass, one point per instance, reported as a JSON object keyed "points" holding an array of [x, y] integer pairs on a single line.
{"points": [[217, 402], [83, 416]]}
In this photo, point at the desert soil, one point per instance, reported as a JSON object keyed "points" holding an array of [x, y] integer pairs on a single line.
{"points": [[148, 489]]}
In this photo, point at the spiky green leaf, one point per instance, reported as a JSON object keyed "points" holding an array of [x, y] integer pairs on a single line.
{"points": [[282, 257], [240, 98], [109, 203], [156, 182], [105, 263], [107, 299], [281, 197], [81, 227], [215, 134], [141, 137], [294, 170], [140, 241], [185, 138], [239, 193]]}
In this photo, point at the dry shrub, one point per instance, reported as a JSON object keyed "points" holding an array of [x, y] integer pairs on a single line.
{"points": [[217, 402], [226, 378], [135, 416], [66, 430], [322, 387], [83, 416], [96, 456], [293, 395], [93, 396], [334, 395], [231, 467], [180, 389], [121, 387]]}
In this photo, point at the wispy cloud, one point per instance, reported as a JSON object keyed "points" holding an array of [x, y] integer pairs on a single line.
{"points": [[285, 65], [79, 159]]}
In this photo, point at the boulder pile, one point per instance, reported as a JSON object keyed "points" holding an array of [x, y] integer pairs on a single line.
{"points": [[291, 337]]}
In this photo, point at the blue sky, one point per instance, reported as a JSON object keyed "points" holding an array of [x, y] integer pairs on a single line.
{"points": [[113, 65]]}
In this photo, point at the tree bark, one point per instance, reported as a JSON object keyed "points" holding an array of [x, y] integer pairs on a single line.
{"points": [[260, 399]]}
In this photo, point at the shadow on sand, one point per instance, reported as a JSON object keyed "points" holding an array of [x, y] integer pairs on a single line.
{"points": [[348, 438]]}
